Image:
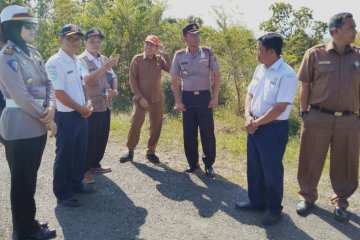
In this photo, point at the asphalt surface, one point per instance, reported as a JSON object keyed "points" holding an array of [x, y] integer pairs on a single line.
{"points": [[140, 200]]}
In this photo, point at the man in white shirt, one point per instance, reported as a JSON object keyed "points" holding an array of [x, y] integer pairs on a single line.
{"points": [[71, 117], [267, 107]]}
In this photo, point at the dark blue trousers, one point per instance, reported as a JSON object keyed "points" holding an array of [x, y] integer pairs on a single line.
{"points": [[265, 171], [98, 134], [198, 116], [71, 144]]}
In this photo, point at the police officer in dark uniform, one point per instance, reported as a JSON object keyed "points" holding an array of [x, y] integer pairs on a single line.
{"points": [[195, 65]]}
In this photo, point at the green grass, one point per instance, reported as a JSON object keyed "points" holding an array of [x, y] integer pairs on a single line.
{"points": [[230, 141]]}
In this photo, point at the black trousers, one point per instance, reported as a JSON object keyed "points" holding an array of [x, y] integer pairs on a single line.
{"points": [[98, 135], [198, 116], [24, 158]]}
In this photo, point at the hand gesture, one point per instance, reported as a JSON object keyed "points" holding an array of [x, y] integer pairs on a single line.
{"points": [[180, 107], [144, 103], [48, 115], [213, 102], [52, 128]]}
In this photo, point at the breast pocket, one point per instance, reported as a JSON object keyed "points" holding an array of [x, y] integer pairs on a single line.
{"points": [[324, 72], [271, 89], [70, 77]]}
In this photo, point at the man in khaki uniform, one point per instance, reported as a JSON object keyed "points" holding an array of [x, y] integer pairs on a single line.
{"points": [[329, 102], [145, 83]]}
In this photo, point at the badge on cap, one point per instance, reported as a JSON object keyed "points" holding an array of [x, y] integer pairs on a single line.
{"points": [[184, 72], [13, 64], [29, 81]]}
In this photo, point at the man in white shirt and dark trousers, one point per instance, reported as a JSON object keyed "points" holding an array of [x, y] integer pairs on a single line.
{"points": [[267, 107], [71, 117]]}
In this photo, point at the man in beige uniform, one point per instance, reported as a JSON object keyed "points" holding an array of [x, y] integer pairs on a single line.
{"points": [[330, 101], [145, 83]]}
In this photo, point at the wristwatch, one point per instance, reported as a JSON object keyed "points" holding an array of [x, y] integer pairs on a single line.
{"points": [[302, 113]]}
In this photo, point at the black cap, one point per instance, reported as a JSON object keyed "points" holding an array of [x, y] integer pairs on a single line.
{"points": [[192, 27], [94, 32], [70, 29]]}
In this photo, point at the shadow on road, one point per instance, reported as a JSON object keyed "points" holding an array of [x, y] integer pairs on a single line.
{"points": [[107, 214], [213, 196], [348, 229]]}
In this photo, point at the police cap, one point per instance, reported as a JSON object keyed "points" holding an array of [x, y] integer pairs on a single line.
{"points": [[17, 13], [192, 27]]}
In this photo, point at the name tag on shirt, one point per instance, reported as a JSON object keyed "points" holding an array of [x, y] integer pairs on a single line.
{"points": [[324, 62]]}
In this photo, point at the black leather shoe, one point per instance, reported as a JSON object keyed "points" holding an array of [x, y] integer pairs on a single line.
{"points": [[191, 169], [303, 208], [129, 156], [209, 172], [43, 234], [85, 189], [270, 218], [71, 202], [247, 205], [341, 214], [41, 224], [153, 158]]}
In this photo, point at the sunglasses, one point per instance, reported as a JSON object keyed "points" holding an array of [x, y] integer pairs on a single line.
{"points": [[29, 26], [73, 39]]}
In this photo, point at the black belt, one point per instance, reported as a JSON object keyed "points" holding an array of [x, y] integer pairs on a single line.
{"points": [[196, 92], [336, 114]]}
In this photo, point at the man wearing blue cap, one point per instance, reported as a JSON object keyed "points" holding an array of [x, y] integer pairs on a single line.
{"points": [[101, 86], [195, 65], [71, 117], [329, 104]]}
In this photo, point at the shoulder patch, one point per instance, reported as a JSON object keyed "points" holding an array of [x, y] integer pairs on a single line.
{"points": [[8, 51], [13, 64]]}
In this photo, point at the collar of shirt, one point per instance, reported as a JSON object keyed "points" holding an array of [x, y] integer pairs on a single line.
{"points": [[275, 66], [93, 59], [330, 46], [66, 57], [196, 52], [90, 56]]}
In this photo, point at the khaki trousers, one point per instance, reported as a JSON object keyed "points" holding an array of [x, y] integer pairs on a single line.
{"points": [[137, 120], [342, 134]]}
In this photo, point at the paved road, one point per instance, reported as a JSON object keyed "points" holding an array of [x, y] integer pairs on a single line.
{"points": [[142, 201]]}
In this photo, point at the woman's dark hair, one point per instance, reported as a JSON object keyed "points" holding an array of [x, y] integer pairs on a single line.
{"points": [[11, 30]]}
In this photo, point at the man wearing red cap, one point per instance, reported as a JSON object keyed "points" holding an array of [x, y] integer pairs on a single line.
{"points": [[145, 84]]}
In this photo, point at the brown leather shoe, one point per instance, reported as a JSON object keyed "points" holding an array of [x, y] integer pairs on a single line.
{"points": [[88, 178]]}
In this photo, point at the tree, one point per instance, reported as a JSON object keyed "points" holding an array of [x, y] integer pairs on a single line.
{"points": [[298, 28], [357, 40], [235, 48]]}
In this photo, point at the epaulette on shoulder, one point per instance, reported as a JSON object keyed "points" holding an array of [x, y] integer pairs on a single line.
{"points": [[319, 46], [183, 50], [8, 50]]}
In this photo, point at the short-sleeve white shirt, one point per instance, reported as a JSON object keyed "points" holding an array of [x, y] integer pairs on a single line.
{"points": [[272, 85], [65, 74]]}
